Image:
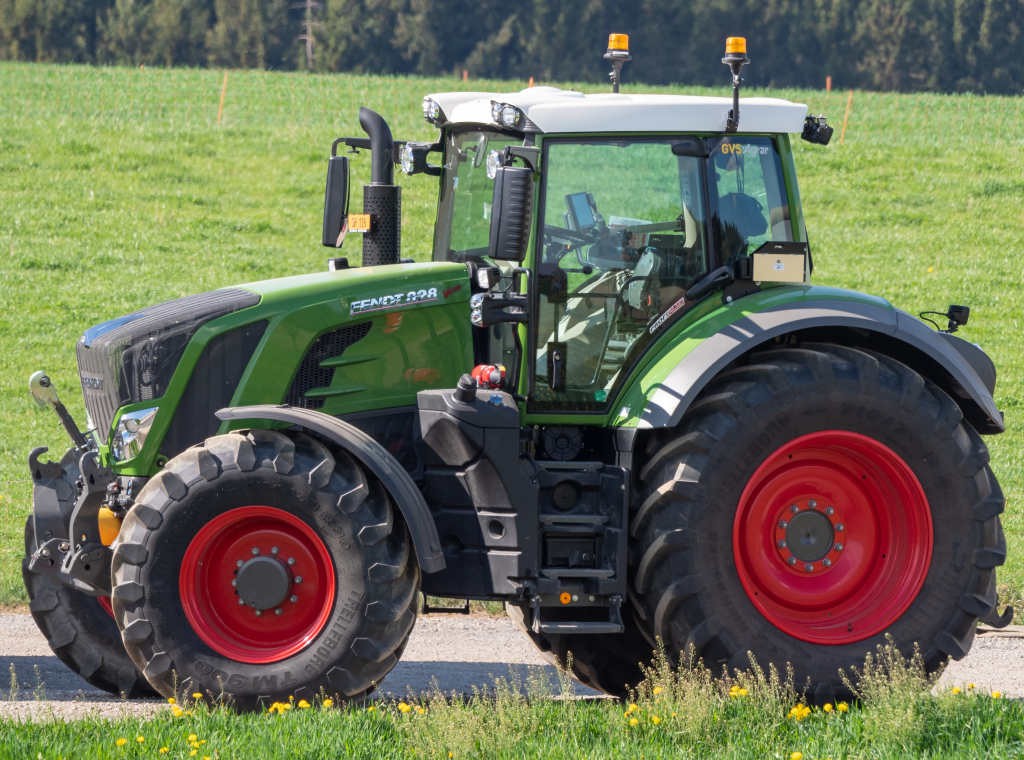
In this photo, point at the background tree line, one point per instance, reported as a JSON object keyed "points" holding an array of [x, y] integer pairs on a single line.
{"points": [[908, 45]]}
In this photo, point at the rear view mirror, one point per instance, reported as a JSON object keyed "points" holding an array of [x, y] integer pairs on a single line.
{"points": [[335, 201], [511, 213]]}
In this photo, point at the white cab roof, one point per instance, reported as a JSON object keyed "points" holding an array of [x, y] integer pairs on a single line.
{"points": [[552, 111]]}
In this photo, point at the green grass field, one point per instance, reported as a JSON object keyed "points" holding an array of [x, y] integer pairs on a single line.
{"points": [[687, 714], [119, 189]]}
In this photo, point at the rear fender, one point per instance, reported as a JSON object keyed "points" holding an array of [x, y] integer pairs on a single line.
{"points": [[946, 360], [374, 457]]}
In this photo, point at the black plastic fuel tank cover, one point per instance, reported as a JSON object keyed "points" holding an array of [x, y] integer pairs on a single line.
{"points": [[490, 410]]}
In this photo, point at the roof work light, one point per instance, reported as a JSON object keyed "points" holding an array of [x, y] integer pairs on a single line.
{"points": [[618, 54], [735, 58]]}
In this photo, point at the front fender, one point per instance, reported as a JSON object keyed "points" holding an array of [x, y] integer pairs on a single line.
{"points": [[374, 457], [667, 401]]}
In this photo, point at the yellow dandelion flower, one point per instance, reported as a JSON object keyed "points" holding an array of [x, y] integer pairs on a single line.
{"points": [[328, 702], [303, 704], [673, 715], [121, 742], [172, 701], [202, 741], [192, 737], [189, 713], [633, 721], [657, 690], [743, 692], [140, 739], [197, 695], [842, 707], [632, 708], [371, 708], [655, 720], [194, 745], [996, 694], [164, 750], [451, 754], [796, 756], [971, 686], [291, 698], [177, 712], [956, 689], [827, 708], [403, 707], [420, 710], [193, 753], [931, 269]]}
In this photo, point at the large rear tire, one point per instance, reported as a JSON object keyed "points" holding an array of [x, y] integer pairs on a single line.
{"points": [[894, 511], [262, 565]]}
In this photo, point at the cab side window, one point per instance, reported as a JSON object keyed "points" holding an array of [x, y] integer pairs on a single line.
{"points": [[749, 204]]}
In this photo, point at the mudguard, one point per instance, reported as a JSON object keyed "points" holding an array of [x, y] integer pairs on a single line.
{"points": [[968, 366], [374, 457]]}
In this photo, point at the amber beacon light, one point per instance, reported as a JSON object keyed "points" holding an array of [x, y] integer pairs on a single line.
{"points": [[618, 54], [735, 58]]}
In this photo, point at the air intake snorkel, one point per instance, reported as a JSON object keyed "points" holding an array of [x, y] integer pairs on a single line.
{"points": [[382, 198]]}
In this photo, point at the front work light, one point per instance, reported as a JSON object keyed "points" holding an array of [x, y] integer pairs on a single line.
{"points": [[130, 435], [412, 158], [432, 111], [506, 115]]}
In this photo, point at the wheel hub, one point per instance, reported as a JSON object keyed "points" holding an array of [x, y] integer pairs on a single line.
{"points": [[263, 582], [832, 537]]}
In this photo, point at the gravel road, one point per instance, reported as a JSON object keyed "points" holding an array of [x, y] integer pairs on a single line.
{"points": [[459, 652]]}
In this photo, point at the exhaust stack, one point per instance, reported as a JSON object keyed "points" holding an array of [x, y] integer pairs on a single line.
{"points": [[382, 198]]}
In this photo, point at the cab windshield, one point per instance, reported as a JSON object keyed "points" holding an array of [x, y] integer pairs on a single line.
{"points": [[464, 213], [624, 236]]}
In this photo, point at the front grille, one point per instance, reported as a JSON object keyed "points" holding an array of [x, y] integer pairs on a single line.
{"points": [[311, 375], [133, 358]]}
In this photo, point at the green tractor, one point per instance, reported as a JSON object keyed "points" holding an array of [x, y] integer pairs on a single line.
{"points": [[613, 400]]}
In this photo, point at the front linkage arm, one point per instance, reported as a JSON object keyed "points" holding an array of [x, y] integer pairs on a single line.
{"points": [[72, 552]]}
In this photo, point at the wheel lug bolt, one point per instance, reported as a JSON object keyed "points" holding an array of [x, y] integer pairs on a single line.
{"points": [[275, 550], [812, 504], [839, 547], [239, 563], [278, 610], [808, 567], [792, 560], [293, 599], [839, 527], [298, 579], [291, 560], [827, 562], [241, 600], [234, 581], [783, 524], [794, 509], [259, 613], [255, 551], [782, 544], [829, 510]]}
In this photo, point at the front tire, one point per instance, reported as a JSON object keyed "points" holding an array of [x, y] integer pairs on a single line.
{"points": [[262, 565], [874, 460]]}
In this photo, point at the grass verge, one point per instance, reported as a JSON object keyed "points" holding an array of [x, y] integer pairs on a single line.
{"points": [[685, 713]]}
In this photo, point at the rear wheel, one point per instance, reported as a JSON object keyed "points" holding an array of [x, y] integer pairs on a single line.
{"points": [[811, 502], [260, 566]]}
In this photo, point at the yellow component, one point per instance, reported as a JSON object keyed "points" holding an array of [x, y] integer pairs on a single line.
{"points": [[618, 42], [736, 45], [110, 526], [565, 598]]}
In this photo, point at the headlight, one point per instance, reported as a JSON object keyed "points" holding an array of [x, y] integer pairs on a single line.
{"points": [[130, 435], [510, 116], [405, 158], [487, 277], [432, 111], [506, 115], [493, 162], [476, 303]]}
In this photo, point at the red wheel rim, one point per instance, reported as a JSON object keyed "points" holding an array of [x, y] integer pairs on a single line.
{"points": [[858, 517], [211, 602]]}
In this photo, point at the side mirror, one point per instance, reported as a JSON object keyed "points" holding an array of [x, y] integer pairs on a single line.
{"points": [[335, 201], [511, 213]]}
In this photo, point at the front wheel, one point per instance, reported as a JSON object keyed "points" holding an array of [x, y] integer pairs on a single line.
{"points": [[813, 501], [260, 566]]}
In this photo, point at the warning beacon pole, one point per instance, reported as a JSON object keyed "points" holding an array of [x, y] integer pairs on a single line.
{"points": [[735, 58], [618, 54]]}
